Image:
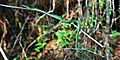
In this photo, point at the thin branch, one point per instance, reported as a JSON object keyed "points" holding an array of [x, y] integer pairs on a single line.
{"points": [[54, 27], [53, 5], [114, 20], [107, 52], [25, 55], [92, 38], [83, 49], [17, 38], [67, 4], [3, 54], [4, 30]]}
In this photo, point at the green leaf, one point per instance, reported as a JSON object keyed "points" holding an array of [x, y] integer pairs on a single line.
{"points": [[38, 44], [110, 11], [115, 33], [64, 15], [39, 29], [37, 49], [90, 5], [51, 24], [44, 44], [58, 34], [101, 3], [111, 49], [65, 43]]}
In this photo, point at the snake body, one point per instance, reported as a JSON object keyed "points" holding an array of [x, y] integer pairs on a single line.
{"points": [[51, 15]]}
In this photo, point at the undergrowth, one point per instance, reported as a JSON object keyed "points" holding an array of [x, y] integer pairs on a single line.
{"points": [[41, 30]]}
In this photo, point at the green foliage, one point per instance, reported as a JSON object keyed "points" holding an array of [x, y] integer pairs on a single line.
{"points": [[35, 58], [61, 34], [65, 43], [51, 24], [93, 11], [64, 36], [101, 3], [115, 33], [111, 49], [110, 11], [64, 15], [65, 25], [92, 20], [17, 58], [20, 25], [90, 4], [39, 45]]}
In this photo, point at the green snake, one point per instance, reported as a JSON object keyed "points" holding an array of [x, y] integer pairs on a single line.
{"points": [[51, 15]]}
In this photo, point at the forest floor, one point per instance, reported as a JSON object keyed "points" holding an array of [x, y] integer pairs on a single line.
{"points": [[59, 30]]}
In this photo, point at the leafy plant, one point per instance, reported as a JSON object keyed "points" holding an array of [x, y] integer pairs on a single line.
{"points": [[110, 11], [64, 36], [65, 25], [92, 20], [39, 45], [115, 33], [17, 58], [101, 3]]}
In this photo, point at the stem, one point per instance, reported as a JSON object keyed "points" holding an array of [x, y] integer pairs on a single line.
{"points": [[107, 29]]}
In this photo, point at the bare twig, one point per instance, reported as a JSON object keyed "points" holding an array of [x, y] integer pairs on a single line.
{"points": [[3, 54], [114, 20], [97, 27], [44, 34], [23, 50], [53, 5], [84, 49], [17, 38], [4, 29], [92, 38], [67, 10], [113, 10], [107, 52]]}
